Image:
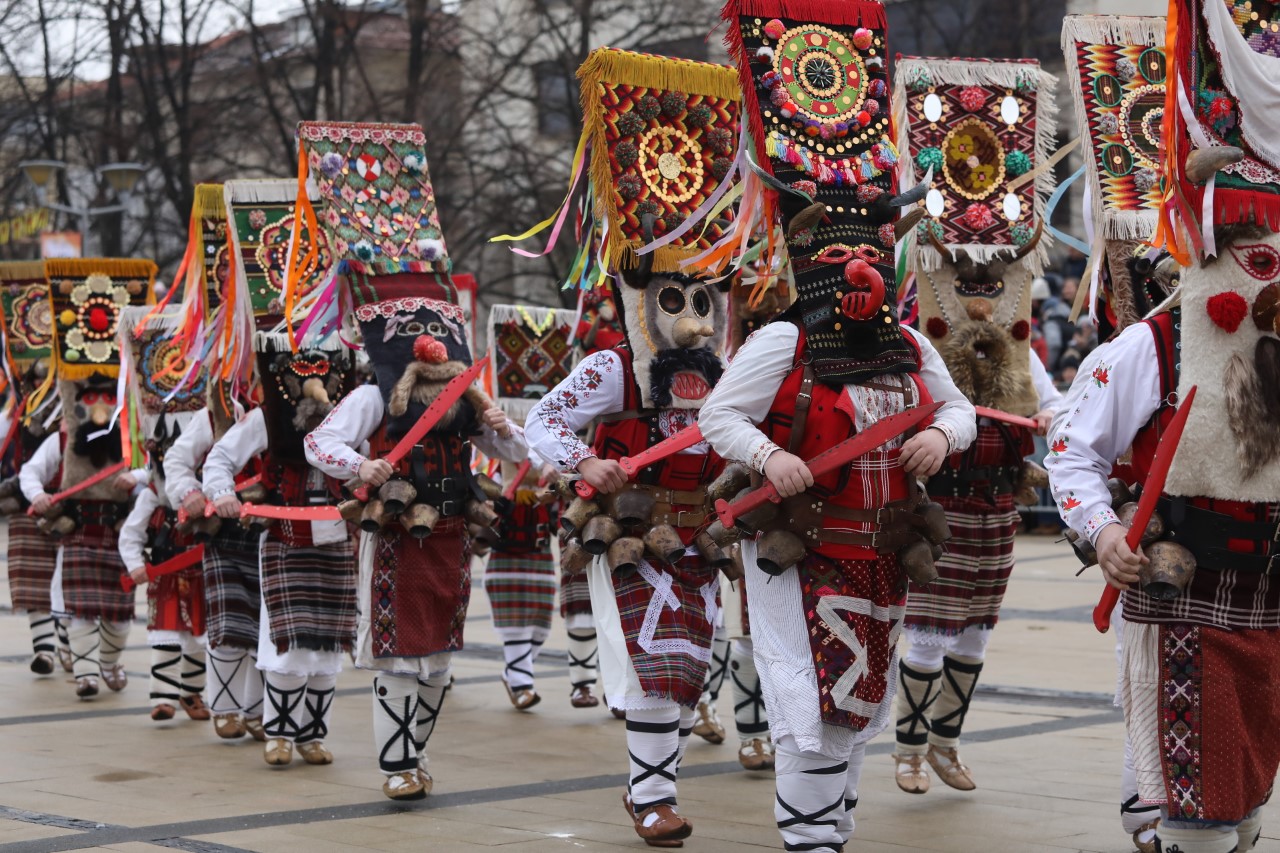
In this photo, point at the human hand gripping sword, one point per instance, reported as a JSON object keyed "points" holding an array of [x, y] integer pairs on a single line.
{"points": [[185, 560], [450, 394], [670, 446], [1151, 491], [831, 459]]}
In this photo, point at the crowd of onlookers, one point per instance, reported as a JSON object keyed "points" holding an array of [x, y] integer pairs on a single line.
{"points": [[1061, 344]]}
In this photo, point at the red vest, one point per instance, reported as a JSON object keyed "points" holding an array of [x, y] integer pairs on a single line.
{"points": [[616, 439], [829, 422]]}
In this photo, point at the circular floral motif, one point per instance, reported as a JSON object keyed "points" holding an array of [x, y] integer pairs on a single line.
{"points": [[161, 368], [272, 256], [671, 164], [95, 313], [1141, 114], [821, 72], [31, 326], [973, 159]]}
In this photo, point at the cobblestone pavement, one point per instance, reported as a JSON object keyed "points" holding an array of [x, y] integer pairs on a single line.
{"points": [[1043, 740]]}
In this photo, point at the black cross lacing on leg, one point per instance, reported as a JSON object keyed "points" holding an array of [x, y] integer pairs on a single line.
{"points": [[318, 703], [427, 715], [588, 663], [160, 674], [60, 628], [660, 769], [1133, 805], [916, 721], [717, 670], [42, 632], [224, 686], [950, 724], [514, 667], [109, 648], [815, 818], [401, 743], [751, 706], [281, 722], [90, 656], [194, 673]]}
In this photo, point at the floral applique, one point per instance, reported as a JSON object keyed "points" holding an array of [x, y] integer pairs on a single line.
{"points": [[554, 409], [1070, 502], [1101, 375], [1059, 445]]}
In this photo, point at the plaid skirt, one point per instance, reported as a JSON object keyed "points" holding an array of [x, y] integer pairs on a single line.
{"points": [[668, 613], [521, 589], [91, 570], [32, 560], [310, 595], [176, 602], [232, 590], [973, 572], [575, 595]]}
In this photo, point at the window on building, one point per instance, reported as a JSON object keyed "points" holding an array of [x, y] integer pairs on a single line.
{"points": [[557, 105]]}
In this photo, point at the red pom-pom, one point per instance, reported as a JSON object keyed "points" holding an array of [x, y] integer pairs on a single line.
{"points": [[428, 349], [936, 327], [1227, 311], [1020, 330]]}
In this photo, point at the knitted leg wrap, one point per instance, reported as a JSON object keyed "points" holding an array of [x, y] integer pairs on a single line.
{"points": [[1209, 839], [851, 779], [749, 714], [959, 678], [809, 805], [719, 667], [653, 745], [226, 688], [430, 700], [518, 651], [395, 722], [917, 691], [583, 658], [166, 674], [42, 632], [317, 707]]}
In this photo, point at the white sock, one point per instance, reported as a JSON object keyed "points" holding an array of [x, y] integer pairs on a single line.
{"points": [[809, 806], [85, 645], [166, 674], [749, 714], [227, 665], [583, 658], [719, 667], [285, 697], [430, 700], [194, 669], [42, 632], [395, 722], [115, 636], [653, 745], [518, 652], [253, 687], [317, 708]]}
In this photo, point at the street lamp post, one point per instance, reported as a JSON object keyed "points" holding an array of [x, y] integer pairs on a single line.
{"points": [[122, 178]]}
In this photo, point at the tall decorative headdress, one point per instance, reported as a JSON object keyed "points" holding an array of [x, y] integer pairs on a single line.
{"points": [[531, 354], [163, 389], [984, 129], [1117, 72], [87, 297], [823, 162], [28, 318]]}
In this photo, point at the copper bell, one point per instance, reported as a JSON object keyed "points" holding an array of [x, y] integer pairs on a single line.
{"points": [[734, 478], [1082, 546], [625, 554], [351, 510], [759, 517], [779, 550], [479, 512], [1155, 527], [577, 514], [633, 508], [10, 505], [489, 487], [711, 551], [397, 494], [663, 542], [936, 529], [204, 529], [1121, 494], [599, 533], [373, 517], [574, 559], [916, 560], [481, 541], [1169, 571], [56, 528], [723, 536], [419, 520], [255, 494]]}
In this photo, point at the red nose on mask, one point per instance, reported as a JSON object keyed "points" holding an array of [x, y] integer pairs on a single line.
{"points": [[429, 350], [866, 291]]}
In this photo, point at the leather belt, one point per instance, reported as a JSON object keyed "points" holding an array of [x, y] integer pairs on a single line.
{"points": [[1206, 534], [988, 479], [668, 514], [670, 497]]}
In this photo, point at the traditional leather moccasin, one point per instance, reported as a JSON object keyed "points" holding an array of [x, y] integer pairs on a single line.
{"points": [[115, 677], [756, 754], [582, 697], [86, 687], [946, 763], [315, 752], [253, 725], [195, 707], [523, 698], [707, 723], [1144, 839], [659, 826], [404, 786], [911, 774], [163, 712], [277, 752], [229, 726], [42, 663]]}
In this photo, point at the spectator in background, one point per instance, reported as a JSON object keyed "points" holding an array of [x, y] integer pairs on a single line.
{"points": [[1056, 325], [1039, 293], [1067, 367]]}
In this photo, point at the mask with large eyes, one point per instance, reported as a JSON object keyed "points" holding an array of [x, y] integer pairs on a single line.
{"points": [[298, 391], [676, 328]]}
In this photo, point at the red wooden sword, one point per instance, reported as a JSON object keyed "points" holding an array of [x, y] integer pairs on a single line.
{"points": [[185, 560], [670, 446], [1151, 491]]}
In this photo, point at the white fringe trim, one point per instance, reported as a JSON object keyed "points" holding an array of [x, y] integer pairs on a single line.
{"points": [[266, 191], [1118, 30], [272, 342], [962, 72]]}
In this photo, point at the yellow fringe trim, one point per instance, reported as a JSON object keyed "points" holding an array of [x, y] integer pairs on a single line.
{"points": [[610, 65], [605, 66], [77, 371], [21, 270], [209, 202], [114, 267]]}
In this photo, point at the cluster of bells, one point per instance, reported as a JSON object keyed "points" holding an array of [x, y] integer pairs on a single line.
{"points": [[1170, 566], [396, 502]]}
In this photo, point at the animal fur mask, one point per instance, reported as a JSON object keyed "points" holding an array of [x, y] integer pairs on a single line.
{"points": [[675, 326], [416, 345], [87, 406], [1230, 351], [299, 390]]}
